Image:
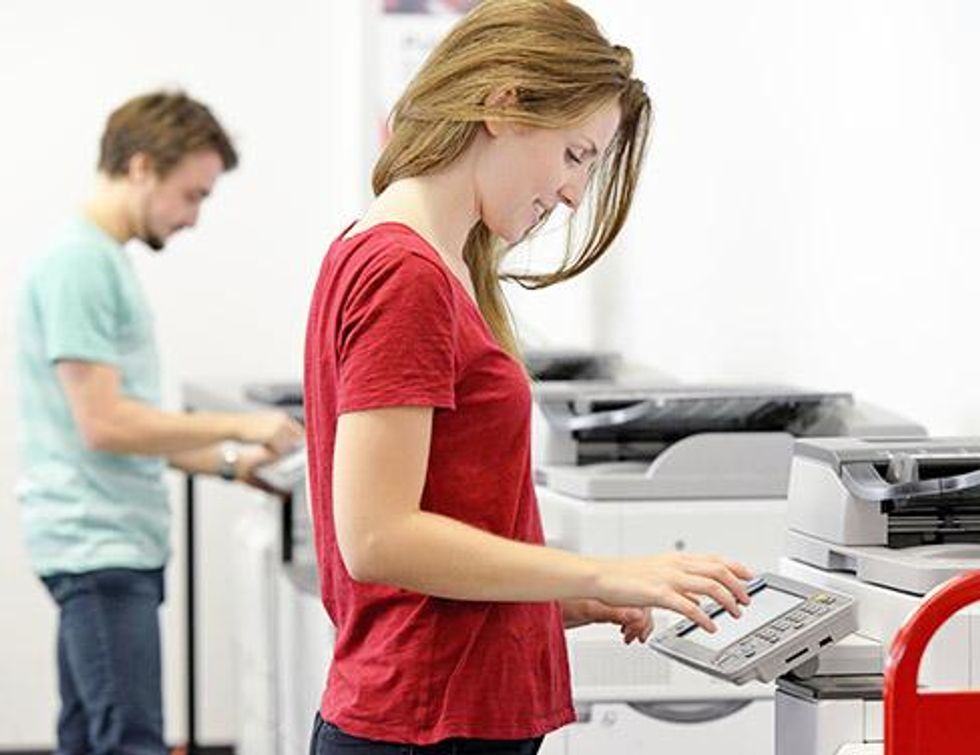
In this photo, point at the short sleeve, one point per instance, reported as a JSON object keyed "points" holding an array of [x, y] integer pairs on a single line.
{"points": [[76, 298], [396, 342]]}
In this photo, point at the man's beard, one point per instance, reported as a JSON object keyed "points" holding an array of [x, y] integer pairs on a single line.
{"points": [[148, 237], [154, 242]]}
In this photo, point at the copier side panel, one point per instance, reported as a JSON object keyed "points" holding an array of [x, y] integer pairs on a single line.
{"points": [[604, 669], [807, 727], [581, 526], [948, 660], [750, 531], [620, 728]]}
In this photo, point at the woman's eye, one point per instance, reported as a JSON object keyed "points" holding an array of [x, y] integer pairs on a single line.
{"points": [[572, 157]]}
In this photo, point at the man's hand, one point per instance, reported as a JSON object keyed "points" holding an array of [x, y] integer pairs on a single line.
{"points": [[634, 623], [277, 431], [251, 458]]}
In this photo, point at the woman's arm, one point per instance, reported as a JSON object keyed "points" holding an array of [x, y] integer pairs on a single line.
{"points": [[380, 461]]}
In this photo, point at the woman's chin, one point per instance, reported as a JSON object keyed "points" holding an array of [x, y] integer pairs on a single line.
{"points": [[512, 235]]}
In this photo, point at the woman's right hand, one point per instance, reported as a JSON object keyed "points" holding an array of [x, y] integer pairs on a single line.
{"points": [[674, 581]]}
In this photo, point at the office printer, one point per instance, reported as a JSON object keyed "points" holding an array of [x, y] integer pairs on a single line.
{"points": [[647, 466], [606, 440], [884, 521], [609, 456]]}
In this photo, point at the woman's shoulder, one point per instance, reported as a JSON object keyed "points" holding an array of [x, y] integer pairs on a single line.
{"points": [[390, 246]]}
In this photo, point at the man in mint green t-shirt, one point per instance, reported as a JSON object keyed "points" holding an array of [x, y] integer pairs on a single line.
{"points": [[95, 441]]}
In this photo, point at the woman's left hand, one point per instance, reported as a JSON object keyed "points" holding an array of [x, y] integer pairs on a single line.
{"points": [[634, 623]]}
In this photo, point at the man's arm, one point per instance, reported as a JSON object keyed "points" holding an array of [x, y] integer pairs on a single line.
{"points": [[109, 421], [208, 460]]}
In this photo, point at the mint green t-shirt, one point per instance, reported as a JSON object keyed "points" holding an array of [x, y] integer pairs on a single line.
{"points": [[84, 509]]}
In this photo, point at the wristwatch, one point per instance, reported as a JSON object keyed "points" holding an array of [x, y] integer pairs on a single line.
{"points": [[228, 467]]}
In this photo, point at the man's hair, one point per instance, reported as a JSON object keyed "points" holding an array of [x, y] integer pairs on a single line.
{"points": [[165, 126]]}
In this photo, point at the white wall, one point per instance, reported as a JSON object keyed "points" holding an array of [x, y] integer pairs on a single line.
{"points": [[809, 209], [808, 214]]}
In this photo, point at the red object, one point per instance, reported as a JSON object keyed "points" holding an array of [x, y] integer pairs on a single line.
{"points": [[390, 325], [923, 722]]}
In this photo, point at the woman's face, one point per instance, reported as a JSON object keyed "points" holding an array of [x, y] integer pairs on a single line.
{"points": [[523, 172]]}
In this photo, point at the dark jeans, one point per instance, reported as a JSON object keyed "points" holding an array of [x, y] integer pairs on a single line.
{"points": [[329, 740], [109, 662]]}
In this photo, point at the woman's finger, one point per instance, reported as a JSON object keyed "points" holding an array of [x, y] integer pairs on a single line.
{"points": [[677, 603]]}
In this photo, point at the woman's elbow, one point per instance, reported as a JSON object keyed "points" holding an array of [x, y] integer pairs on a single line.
{"points": [[363, 558]]}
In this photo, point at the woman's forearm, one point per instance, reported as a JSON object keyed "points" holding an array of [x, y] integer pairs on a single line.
{"points": [[440, 556]]}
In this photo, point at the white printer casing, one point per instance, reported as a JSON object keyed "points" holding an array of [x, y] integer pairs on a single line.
{"points": [[885, 522]]}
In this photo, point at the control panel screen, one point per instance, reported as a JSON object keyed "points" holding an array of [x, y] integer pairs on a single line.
{"points": [[766, 605]]}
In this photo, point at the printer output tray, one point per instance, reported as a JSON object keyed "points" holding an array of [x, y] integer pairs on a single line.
{"points": [[707, 465], [916, 570]]}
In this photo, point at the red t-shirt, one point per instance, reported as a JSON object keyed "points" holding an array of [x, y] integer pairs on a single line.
{"points": [[391, 326]]}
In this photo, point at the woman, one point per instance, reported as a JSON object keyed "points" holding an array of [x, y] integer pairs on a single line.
{"points": [[449, 609]]}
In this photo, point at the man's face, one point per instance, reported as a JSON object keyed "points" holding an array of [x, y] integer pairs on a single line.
{"points": [[170, 203]]}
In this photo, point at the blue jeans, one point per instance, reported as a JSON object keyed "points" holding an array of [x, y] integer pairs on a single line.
{"points": [[109, 662], [330, 740]]}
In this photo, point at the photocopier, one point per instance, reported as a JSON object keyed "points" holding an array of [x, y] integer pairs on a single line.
{"points": [[874, 526], [884, 522], [640, 466]]}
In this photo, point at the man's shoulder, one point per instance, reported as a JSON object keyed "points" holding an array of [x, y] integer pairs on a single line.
{"points": [[76, 253]]}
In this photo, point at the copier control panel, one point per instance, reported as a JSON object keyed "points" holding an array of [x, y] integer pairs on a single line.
{"points": [[787, 623]]}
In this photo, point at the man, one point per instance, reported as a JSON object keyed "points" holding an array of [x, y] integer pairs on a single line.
{"points": [[96, 443]]}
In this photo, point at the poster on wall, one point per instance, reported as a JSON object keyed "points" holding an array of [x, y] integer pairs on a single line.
{"points": [[407, 33]]}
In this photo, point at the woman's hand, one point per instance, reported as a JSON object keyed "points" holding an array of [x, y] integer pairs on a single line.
{"points": [[634, 623], [675, 581]]}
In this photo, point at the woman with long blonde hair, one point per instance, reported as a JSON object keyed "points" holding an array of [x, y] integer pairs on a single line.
{"points": [[448, 606]]}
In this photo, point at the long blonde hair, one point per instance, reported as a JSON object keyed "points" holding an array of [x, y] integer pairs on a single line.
{"points": [[561, 69]]}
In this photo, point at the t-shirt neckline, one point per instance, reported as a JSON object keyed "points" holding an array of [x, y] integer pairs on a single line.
{"points": [[344, 238]]}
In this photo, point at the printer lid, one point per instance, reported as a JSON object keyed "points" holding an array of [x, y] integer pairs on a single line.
{"points": [[588, 406], [837, 451], [900, 470]]}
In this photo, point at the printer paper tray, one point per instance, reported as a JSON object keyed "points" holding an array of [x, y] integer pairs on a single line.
{"points": [[916, 570]]}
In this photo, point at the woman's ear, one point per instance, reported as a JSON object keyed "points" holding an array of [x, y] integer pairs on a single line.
{"points": [[500, 99]]}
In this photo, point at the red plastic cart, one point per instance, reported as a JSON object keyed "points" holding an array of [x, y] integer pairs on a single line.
{"points": [[923, 722]]}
